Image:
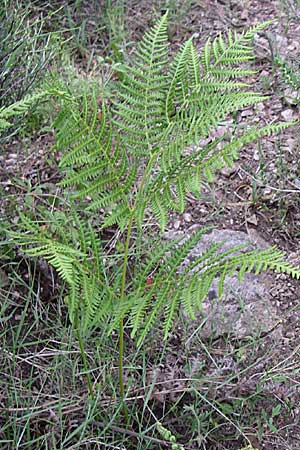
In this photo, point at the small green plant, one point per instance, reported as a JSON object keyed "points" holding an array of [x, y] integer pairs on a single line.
{"points": [[290, 73], [114, 24], [26, 49], [18, 109], [269, 419], [125, 161], [21, 107], [22, 39], [168, 436]]}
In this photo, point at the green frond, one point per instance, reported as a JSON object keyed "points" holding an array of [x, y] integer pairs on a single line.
{"points": [[76, 254], [137, 154], [62, 257], [195, 281], [219, 86], [152, 315], [189, 170], [170, 312], [119, 216], [176, 75], [231, 50], [166, 187], [22, 106], [97, 302], [289, 72], [139, 103], [18, 108], [172, 263], [152, 263], [160, 211], [216, 109], [144, 309], [230, 152], [188, 299], [93, 162], [25, 104], [138, 310], [194, 67]]}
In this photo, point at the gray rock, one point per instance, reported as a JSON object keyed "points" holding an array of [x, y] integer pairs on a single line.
{"points": [[3, 279], [288, 115], [245, 308], [187, 217], [291, 97]]}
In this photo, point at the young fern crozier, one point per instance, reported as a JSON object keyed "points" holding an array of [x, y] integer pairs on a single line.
{"points": [[131, 158]]}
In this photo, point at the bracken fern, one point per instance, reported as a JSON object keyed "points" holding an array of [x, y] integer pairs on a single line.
{"points": [[122, 160]]}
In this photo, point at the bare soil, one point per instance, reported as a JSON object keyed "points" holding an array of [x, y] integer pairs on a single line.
{"points": [[259, 196]]}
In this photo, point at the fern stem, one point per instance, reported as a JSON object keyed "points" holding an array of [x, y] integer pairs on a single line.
{"points": [[122, 295], [83, 357], [143, 181], [121, 352], [124, 272]]}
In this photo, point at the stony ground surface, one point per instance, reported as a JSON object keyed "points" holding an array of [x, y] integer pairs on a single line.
{"points": [[250, 343]]}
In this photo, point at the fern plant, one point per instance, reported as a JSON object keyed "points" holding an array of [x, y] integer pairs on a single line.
{"points": [[21, 107], [290, 73], [17, 109], [126, 160]]}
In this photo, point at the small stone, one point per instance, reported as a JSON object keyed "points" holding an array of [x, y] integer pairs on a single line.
{"points": [[289, 334], [3, 279], [194, 227], [288, 115], [228, 171], [13, 155], [176, 224], [247, 113], [187, 217], [264, 73], [252, 219], [291, 97], [260, 107], [267, 191], [244, 14], [256, 156]]}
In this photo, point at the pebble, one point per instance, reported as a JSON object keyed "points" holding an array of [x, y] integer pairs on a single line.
{"points": [[176, 224], [289, 334], [187, 217], [194, 227], [288, 114], [291, 97], [247, 113], [228, 171], [256, 156], [260, 107]]}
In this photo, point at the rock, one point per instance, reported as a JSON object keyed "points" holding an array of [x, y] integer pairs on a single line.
{"points": [[176, 225], [245, 308], [247, 113], [13, 156], [291, 97], [187, 217], [256, 155], [243, 311], [252, 219], [228, 171], [3, 279], [264, 74], [260, 107], [288, 115]]}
